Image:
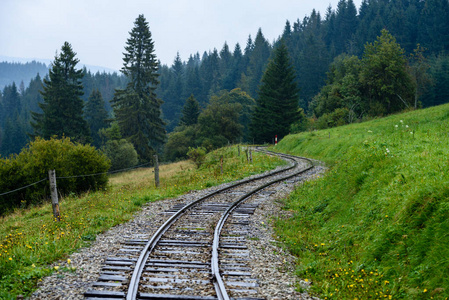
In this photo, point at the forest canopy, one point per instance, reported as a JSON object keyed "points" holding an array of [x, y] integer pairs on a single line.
{"points": [[326, 50]]}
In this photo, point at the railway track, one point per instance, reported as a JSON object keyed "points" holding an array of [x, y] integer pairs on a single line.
{"points": [[199, 252]]}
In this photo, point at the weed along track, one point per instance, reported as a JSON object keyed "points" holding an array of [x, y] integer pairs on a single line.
{"points": [[200, 252]]}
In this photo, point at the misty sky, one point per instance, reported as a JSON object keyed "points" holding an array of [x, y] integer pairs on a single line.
{"points": [[98, 29]]}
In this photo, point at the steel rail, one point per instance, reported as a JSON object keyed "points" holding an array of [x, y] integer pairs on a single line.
{"points": [[140, 264], [216, 276]]}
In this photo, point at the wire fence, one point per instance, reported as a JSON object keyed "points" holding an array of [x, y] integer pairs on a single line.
{"points": [[76, 176], [24, 187]]}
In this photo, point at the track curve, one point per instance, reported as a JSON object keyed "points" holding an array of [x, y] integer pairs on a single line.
{"points": [[185, 260]]}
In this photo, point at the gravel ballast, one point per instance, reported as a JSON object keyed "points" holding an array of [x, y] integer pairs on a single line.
{"points": [[271, 265]]}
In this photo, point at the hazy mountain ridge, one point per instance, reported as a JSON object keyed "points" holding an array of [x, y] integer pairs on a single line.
{"points": [[18, 69]]}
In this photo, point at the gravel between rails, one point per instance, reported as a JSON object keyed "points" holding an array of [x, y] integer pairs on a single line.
{"points": [[271, 264]]}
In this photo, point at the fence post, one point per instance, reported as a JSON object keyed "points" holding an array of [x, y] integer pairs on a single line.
{"points": [[250, 156], [156, 170], [238, 148], [221, 164], [54, 195]]}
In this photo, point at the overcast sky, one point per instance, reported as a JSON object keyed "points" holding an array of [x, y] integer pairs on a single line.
{"points": [[98, 29]]}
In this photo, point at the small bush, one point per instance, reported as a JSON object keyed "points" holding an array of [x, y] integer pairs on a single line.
{"points": [[33, 163], [121, 153], [336, 118], [197, 155]]}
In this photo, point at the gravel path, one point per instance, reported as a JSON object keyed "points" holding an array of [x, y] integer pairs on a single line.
{"points": [[271, 264]]}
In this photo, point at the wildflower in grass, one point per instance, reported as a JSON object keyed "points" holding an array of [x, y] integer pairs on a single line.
{"points": [[425, 291], [396, 126], [10, 258], [69, 261], [33, 265], [56, 268]]}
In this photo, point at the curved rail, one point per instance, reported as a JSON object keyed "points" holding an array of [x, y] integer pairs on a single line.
{"points": [[218, 281], [140, 264]]}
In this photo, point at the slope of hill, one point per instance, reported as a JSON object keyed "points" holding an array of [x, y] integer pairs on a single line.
{"points": [[376, 225]]}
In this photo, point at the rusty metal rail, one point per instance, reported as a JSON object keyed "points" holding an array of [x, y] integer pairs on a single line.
{"points": [[133, 293]]}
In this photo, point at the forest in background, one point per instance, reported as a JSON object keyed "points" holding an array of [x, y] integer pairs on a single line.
{"points": [[313, 43]]}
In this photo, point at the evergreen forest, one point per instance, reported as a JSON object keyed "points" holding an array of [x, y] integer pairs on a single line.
{"points": [[337, 61]]}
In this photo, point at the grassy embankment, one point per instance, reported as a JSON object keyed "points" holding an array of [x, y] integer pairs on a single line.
{"points": [[30, 240], [376, 225]]}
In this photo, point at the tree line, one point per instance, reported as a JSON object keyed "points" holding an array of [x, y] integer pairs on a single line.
{"points": [[330, 57]]}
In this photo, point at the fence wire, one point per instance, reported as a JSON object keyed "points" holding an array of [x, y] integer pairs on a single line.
{"points": [[24, 187], [76, 176]]}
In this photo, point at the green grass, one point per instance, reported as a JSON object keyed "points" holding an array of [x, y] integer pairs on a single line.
{"points": [[30, 240], [376, 225]]}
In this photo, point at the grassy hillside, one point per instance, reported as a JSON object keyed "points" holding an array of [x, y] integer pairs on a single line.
{"points": [[376, 225], [30, 240]]}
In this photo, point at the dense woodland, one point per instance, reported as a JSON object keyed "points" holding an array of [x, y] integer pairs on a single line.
{"points": [[332, 56]]}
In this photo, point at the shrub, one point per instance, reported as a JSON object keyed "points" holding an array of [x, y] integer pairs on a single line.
{"points": [[121, 153], [32, 165], [197, 155], [336, 118], [179, 142]]}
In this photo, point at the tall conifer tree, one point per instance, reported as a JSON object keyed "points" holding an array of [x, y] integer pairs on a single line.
{"points": [[62, 107], [190, 112], [137, 108], [96, 115], [277, 104]]}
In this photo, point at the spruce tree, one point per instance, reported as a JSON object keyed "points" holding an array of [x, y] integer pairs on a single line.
{"points": [[277, 104], [62, 109], [96, 115], [190, 112], [257, 62], [137, 108]]}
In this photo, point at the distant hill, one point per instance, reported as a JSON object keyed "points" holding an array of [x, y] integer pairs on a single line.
{"points": [[18, 72], [16, 69]]}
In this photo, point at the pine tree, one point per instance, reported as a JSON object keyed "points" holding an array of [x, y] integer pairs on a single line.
{"points": [[277, 105], [257, 62], [11, 102], [62, 107], [175, 95], [137, 108], [96, 115], [190, 112]]}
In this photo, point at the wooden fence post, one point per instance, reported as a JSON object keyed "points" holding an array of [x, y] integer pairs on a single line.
{"points": [[238, 148], [221, 164], [250, 156], [54, 195], [156, 171]]}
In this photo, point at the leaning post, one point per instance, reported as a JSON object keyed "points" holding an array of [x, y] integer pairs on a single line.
{"points": [[54, 195], [156, 170]]}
